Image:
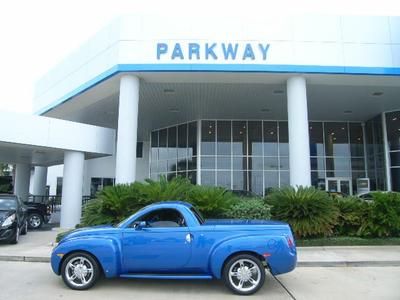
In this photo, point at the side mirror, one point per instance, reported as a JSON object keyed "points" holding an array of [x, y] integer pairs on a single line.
{"points": [[140, 225]]}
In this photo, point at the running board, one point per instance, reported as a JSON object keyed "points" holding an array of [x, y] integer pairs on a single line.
{"points": [[165, 276]]}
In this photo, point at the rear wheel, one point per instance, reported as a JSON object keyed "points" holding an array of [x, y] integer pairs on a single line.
{"points": [[244, 274], [80, 271], [35, 221]]}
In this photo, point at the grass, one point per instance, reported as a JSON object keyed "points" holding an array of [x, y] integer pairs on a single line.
{"points": [[348, 241]]}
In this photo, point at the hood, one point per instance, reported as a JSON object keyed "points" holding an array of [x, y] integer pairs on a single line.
{"points": [[5, 213], [89, 231], [241, 222]]}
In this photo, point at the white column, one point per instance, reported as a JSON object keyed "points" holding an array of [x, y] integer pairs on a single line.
{"points": [[125, 169], [387, 154], [299, 149], [71, 199], [22, 180], [39, 181]]}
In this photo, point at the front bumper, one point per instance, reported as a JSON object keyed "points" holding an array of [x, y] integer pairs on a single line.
{"points": [[8, 233]]}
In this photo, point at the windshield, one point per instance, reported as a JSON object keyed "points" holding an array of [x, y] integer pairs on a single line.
{"points": [[7, 204], [198, 215]]}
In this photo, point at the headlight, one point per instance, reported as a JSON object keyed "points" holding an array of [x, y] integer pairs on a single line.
{"points": [[9, 220]]}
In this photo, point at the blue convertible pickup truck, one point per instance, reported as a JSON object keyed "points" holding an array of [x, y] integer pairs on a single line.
{"points": [[171, 240]]}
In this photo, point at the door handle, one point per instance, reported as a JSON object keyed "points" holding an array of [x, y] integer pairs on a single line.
{"points": [[189, 238]]}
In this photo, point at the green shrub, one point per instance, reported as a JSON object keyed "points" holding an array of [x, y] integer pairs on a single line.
{"points": [[352, 213], [384, 216], [309, 211], [212, 202], [249, 209], [174, 189]]}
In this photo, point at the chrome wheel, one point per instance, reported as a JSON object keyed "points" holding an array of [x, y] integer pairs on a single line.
{"points": [[79, 271], [35, 221], [244, 275]]}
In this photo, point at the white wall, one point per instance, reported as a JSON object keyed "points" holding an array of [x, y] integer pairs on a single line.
{"points": [[100, 167], [312, 40]]}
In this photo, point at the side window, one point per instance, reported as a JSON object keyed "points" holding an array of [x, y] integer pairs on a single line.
{"points": [[163, 218]]}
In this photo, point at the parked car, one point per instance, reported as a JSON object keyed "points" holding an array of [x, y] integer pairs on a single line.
{"points": [[38, 214], [171, 240], [13, 218]]}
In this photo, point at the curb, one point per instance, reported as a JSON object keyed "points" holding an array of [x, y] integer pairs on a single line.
{"points": [[41, 259], [365, 263]]}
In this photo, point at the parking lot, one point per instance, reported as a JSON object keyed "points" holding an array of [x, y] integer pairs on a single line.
{"points": [[375, 277], [25, 280]]}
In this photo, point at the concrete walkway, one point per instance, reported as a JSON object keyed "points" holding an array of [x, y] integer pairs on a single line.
{"points": [[36, 246]]}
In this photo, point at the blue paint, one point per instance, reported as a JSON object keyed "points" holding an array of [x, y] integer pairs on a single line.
{"points": [[230, 51], [194, 50], [248, 52], [165, 276], [177, 52], [264, 50], [210, 51], [247, 68], [162, 48], [165, 252]]}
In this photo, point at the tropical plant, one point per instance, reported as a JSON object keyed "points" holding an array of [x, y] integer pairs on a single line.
{"points": [[309, 211], [249, 209], [352, 214], [212, 202], [384, 216]]}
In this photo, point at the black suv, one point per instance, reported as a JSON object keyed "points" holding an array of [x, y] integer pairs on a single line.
{"points": [[13, 218]]}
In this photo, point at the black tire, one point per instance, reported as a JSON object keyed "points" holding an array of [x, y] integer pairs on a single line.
{"points": [[15, 239], [66, 271], [24, 229], [249, 261], [35, 221]]}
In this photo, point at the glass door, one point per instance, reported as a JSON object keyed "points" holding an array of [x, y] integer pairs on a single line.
{"points": [[339, 185]]}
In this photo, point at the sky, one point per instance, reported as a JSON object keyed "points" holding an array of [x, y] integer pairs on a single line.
{"points": [[36, 35]]}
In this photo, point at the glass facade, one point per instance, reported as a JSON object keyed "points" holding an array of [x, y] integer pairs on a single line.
{"points": [[254, 155], [244, 155], [393, 138], [174, 152], [375, 154]]}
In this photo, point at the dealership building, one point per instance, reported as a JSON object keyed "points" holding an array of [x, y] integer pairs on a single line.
{"points": [[246, 105]]}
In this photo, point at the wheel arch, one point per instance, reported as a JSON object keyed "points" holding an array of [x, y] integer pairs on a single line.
{"points": [[80, 251]]}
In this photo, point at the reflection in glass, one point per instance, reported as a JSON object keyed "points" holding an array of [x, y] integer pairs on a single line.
{"points": [[224, 179], [224, 162], [356, 139], [283, 139], [255, 138], [336, 139], [208, 138], [192, 138], [239, 180], [316, 139], [207, 177], [224, 138], [256, 182], [271, 180], [162, 142], [239, 138], [239, 163], [270, 139]]}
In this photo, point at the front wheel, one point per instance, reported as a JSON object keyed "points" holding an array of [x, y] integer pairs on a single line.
{"points": [[35, 221], [244, 274], [80, 271]]}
